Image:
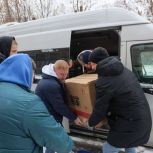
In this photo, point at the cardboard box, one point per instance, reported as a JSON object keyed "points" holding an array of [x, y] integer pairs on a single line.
{"points": [[81, 94]]}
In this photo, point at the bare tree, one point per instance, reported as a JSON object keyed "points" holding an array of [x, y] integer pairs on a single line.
{"points": [[8, 17], [81, 5], [45, 8], [26, 10], [141, 7], [149, 11], [2, 13], [42, 8], [15, 11]]}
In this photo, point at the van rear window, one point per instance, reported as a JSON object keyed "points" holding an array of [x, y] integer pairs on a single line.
{"points": [[45, 56]]}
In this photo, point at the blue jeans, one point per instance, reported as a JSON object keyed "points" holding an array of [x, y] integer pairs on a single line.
{"points": [[107, 148], [49, 151]]}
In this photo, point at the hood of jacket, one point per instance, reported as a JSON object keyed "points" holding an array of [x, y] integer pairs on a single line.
{"points": [[17, 69], [110, 66], [5, 46], [49, 70]]}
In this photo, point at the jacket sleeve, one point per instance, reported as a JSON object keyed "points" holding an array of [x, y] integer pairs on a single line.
{"points": [[44, 130], [103, 97], [56, 99]]}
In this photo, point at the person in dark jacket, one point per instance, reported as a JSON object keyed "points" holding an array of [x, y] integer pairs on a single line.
{"points": [[25, 123], [120, 98], [51, 90], [8, 46]]}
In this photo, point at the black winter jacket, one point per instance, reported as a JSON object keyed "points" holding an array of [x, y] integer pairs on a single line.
{"points": [[120, 98], [52, 93]]}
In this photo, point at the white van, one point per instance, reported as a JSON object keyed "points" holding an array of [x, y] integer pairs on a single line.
{"points": [[122, 33]]}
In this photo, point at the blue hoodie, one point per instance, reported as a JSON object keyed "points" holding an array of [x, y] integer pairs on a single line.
{"points": [[22, 75], [25, 124]]}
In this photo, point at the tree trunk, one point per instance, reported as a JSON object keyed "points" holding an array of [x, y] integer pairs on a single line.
{"points": [[8, 13]]}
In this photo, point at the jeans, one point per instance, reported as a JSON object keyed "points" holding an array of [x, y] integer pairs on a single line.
{"points": [[49, 151], [107, 148]]}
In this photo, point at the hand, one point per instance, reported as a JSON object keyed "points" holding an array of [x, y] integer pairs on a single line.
{"points": [[86, 125], [70, 62], [100, 124], [78, 121]]}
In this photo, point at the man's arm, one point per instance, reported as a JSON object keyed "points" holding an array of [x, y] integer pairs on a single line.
{"points": [[56, 100], [103, 97]]}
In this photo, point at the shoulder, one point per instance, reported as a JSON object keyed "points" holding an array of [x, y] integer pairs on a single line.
{"points": [[48, 84], [105, 84], [103, 81], [34, 102], [27, 99]]}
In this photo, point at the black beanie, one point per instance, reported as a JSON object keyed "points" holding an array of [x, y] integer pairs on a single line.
{"points": [[98, 54]]}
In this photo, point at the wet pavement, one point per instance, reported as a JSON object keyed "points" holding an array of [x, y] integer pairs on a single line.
{"points": [[95, 150], [92, 145]]}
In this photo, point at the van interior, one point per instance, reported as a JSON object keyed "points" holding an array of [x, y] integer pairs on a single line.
{"points": [[88, 40]]}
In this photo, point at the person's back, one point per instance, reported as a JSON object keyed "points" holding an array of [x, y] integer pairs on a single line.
{"points": [[25, 124], [128, 107], [15, 104], [120, 98]]}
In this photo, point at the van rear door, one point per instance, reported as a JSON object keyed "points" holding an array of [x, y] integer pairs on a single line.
{"points": [[140, 60]]}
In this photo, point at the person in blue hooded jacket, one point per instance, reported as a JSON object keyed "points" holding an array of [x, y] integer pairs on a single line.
{"points": [[25, 123], [8, 47]]}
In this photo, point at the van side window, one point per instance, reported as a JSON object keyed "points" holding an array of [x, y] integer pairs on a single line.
{"points": [[45, 56], [142, 62]]}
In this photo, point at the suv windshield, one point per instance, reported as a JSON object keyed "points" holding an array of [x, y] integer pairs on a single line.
{"points": [[142, 62]]}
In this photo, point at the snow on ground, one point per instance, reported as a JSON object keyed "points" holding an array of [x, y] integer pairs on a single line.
{"points": [[138, 150], [144, 150]]}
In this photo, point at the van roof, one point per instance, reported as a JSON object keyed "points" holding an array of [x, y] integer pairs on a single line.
{"points": [[74, 21]]}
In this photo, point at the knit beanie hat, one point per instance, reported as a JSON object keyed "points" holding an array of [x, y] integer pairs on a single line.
{"points": [[98, 54], [83, 57]]}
